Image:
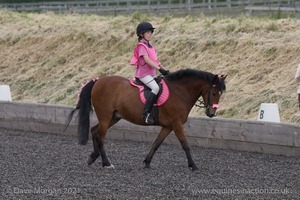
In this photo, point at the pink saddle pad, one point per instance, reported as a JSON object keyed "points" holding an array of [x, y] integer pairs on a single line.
{"points": [[161, 99]]}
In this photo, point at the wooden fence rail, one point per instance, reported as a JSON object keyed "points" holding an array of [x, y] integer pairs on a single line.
{"points": [[245, 135], [156, 6]]}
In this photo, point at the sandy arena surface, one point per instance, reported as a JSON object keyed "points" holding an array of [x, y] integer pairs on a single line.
{"points": [[48, 166]]}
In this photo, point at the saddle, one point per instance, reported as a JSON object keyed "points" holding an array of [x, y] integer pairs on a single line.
{"points": [[162, 96]]}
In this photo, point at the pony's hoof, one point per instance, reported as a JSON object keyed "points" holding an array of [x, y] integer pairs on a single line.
{"points": [[147, 165], [110, 167], [92, 158], [90, 161], [194, 168]]}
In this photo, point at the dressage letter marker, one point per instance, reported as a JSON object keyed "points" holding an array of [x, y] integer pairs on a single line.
{"points": [[5, 93], [268, 112]]}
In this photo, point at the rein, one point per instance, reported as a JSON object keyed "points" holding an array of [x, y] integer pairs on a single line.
{"points": [[179, 96], [199, 103]]}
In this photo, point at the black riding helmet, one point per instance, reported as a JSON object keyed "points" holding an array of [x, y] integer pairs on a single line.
{"points": [[144, 27]]}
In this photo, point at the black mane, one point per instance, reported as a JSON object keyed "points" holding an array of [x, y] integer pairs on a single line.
{"points": [[198, 74], [191, 73]]}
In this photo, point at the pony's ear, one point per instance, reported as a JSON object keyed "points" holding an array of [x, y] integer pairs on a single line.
{"points": [[215, 79], [222, 76]]}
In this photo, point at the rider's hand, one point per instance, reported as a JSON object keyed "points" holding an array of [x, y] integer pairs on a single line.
{"points": [[163, 71]]}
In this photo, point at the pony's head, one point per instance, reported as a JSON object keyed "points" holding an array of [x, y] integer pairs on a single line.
{"points": [[212, 96], [210, 87]]}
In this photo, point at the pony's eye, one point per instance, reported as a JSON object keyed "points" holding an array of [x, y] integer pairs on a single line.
{"points": [[214, 93]]}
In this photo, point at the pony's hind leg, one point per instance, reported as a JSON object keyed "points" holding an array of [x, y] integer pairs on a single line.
{"points": [[99, 132], [96, 153]]}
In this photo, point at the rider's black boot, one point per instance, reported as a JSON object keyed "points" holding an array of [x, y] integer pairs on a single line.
{"points": [[148, 108]]}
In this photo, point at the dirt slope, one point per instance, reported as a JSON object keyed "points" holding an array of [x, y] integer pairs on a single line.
{"points": [[45, 57]]}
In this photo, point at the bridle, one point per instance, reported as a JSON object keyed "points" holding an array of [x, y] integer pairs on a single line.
{"points": [[200, 103]]}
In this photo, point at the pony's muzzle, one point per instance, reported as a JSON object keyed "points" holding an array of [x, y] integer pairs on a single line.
{"points": [[211, 110], [209, 113]]}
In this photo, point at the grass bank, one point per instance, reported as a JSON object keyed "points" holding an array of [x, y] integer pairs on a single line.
{"points": [[46, 57]]}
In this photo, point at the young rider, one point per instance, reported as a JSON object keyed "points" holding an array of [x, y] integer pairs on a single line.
{"points": [[145, 59]]}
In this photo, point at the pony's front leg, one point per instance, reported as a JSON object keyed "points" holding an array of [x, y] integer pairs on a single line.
{"points": [[183, 141], [160, 138]]}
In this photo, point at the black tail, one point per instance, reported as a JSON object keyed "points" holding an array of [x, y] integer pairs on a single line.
{"points": [[85, 107], [70, 118]]}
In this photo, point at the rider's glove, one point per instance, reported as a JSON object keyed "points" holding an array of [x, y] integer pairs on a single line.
{"points": [[163, 71]]}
